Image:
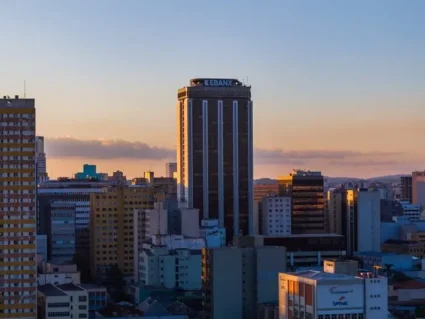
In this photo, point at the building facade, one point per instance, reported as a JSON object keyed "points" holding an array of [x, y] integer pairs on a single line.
{"points": [[76, 192], [320, 295], [214, 235], [40, 158], [90, 172], [276, 216], [337, 211], [411, 211], [306, 188], [18, 209], [215, 152], [236, 280], [170, 169], [369, 220], [66, 301], [111, 227], [406, 188], [61, 242], [418, 188], [173, 269]]}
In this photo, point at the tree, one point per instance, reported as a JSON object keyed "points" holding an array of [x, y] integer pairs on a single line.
{"points": [[83, 267], [116, 284], [400, 277], [388, 269]]}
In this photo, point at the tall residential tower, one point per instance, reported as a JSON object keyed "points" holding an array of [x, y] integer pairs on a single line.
{"points": [[40, 160], [18, 272], [215, 152]]}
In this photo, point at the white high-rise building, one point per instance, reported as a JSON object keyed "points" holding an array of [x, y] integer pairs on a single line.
{"points": [[170, 169], [276, 216], [40, 158]]}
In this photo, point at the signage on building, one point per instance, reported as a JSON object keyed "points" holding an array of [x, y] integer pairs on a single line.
{"points": [[339, 291], [342, 301], [218, 82], [344, 296]]}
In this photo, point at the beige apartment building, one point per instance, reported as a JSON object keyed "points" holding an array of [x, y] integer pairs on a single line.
{"points": [[111, 226], [18, 269]]}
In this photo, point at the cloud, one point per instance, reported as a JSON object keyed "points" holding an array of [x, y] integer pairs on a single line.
{"points": [[68, 147], [105, 149]]}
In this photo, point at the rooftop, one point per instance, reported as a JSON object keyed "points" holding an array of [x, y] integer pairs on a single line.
{"points": [[411, 284], [377, 254], [120, 311], [305, 236], [70, 287], [400, 242], [50, 290], [319, 275], [91, 286]]}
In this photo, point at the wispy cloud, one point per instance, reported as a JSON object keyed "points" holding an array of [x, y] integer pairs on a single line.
{"points": [[105, 149], [68, 147]]}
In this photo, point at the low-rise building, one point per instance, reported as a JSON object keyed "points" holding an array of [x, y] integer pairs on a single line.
{"points": [[303, 250], [321, 295], [53, 303], [79, 298], [178, 268], [411, 292], [214, 235], [55, 274], [370, 259], [67, 301], [411, 211], [408, 247], [98, 296]]}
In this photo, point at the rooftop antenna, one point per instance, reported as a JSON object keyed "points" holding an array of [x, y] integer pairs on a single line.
{"points": [[25, 89]]}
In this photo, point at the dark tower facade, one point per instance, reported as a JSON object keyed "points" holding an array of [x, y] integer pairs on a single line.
{"points": [[215, 152]]}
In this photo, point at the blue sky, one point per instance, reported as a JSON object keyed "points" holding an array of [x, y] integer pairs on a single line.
{"points": [[326, 76]]}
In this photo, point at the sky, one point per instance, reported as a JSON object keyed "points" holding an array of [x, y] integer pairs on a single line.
{"points": [[338, 86]]}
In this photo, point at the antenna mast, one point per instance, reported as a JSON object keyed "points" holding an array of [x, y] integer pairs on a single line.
{"points": [[25, 89]]}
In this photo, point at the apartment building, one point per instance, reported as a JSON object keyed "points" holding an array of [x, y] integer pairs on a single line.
{"points": [[18, 267], [276, 216], [111, 226], [160, 266], [66, 301]]}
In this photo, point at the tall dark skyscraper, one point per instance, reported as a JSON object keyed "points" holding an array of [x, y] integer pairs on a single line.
{"points": [[215, 152]]}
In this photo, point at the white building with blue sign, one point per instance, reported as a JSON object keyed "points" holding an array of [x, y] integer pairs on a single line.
{"points": [[320, 295]]}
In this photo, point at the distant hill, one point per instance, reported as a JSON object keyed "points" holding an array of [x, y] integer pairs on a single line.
{"points": [[265, 181], [339, 180]]}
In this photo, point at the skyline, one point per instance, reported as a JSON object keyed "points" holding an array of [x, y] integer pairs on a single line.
{"points": [[304, 62]]}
